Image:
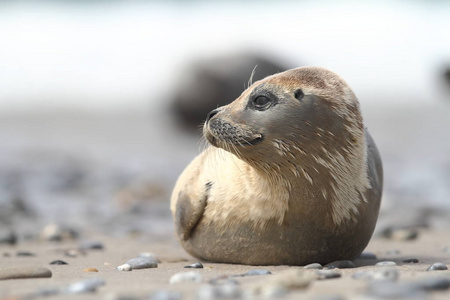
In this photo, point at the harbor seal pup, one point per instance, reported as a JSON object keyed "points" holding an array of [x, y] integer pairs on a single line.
{"points": [[291, 176]]}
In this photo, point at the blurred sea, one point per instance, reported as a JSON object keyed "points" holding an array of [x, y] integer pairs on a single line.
{"points": [[87, 138]]}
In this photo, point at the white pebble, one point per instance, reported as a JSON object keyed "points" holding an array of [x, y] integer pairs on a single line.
{"points": [[186, 277], [124, 267]]}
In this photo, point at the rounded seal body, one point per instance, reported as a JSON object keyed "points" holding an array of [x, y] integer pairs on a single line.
{"points": [[291, 176]]}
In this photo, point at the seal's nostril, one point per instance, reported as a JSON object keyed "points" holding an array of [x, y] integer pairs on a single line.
{"points": [[212, 114]]}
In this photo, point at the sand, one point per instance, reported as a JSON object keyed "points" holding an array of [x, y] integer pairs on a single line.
{"points": [[429, 247]]}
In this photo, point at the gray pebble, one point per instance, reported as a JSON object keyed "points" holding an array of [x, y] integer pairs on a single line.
{"points": [[385, 263], [25, 253], [328, 297], [85, 286], [314, 266], [394, 290], [278, 284], [24, 272], [437, 267], [327, 274], [142, 263], [434, 283], [58, 262], [388, 274], [196, 265], [223, 280], [92, 245], [186, 277], [210, 292], [165, 295], [393, 252], [258, 272], [411, 260], [367, 255], [45, 292], [340, 264]]}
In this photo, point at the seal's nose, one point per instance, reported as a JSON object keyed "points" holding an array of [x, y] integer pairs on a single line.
{"points": [[212, 114]]}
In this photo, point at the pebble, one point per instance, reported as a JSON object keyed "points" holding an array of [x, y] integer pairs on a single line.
{"points": [[367, 255], [411, 260], [85, 286], [8, 237], [223, 280], [196, 265], [393, 252], [142, 263], [186, 277], [74, 252], [25, 253], [90, 270], [279, 284], [314, 266], [340, 264], [385, 263], [57, 233], [404, 234], [434, 283], [58, 262], [437, 267], [394, 290], [124, 267], [389, 274], [327, 274], [92, 245], [258, 272], [165, 295], [24, 272], [210, 292]]}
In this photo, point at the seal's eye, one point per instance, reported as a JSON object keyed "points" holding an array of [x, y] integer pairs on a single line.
{"points": [[261, 102], [299, 94]]}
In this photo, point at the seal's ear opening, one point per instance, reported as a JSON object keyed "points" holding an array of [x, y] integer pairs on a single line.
{"points": [[299, 94]]}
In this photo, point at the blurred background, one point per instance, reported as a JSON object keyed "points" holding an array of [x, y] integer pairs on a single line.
{"points": [[101, 101]]}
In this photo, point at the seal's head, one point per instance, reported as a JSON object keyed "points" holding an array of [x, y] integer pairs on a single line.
{"points": [[303, 124]]}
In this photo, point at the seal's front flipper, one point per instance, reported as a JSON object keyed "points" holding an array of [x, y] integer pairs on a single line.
{"points": [[188, 213]]}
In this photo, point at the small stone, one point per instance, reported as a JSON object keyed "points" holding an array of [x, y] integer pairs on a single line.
{"points": [[90, 270], [142, 263], [313, 266], [25, 253], [340, 264], [280, 283], [434, 283], [124, 267], [411, 260], [389, 274], [327, 274], [24, 272], [58, 262], [258, 272], [209, 292], [57, 233], [91, 245], [367, 255], [186, 277], [8, 237], [85, 286], [393, 252], [196, 265], [437, 267], [385, 263], [394, 290], [74, 252], [404, 234], [166, 295]]}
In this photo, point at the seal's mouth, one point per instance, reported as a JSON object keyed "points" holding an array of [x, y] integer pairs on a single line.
{"points": [[253, 142]]}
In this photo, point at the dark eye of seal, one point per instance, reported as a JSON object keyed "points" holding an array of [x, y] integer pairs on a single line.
{"points": [[261, 103]]}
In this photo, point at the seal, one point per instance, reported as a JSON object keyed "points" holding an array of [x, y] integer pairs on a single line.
{"points": [[291, 176]]}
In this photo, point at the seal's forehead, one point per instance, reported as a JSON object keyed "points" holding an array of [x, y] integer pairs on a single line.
{"points": [[313, 80]]}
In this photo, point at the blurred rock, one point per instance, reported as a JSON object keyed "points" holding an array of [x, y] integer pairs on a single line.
{"points": [[58, 233], [207, 84], [8, 237]]}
